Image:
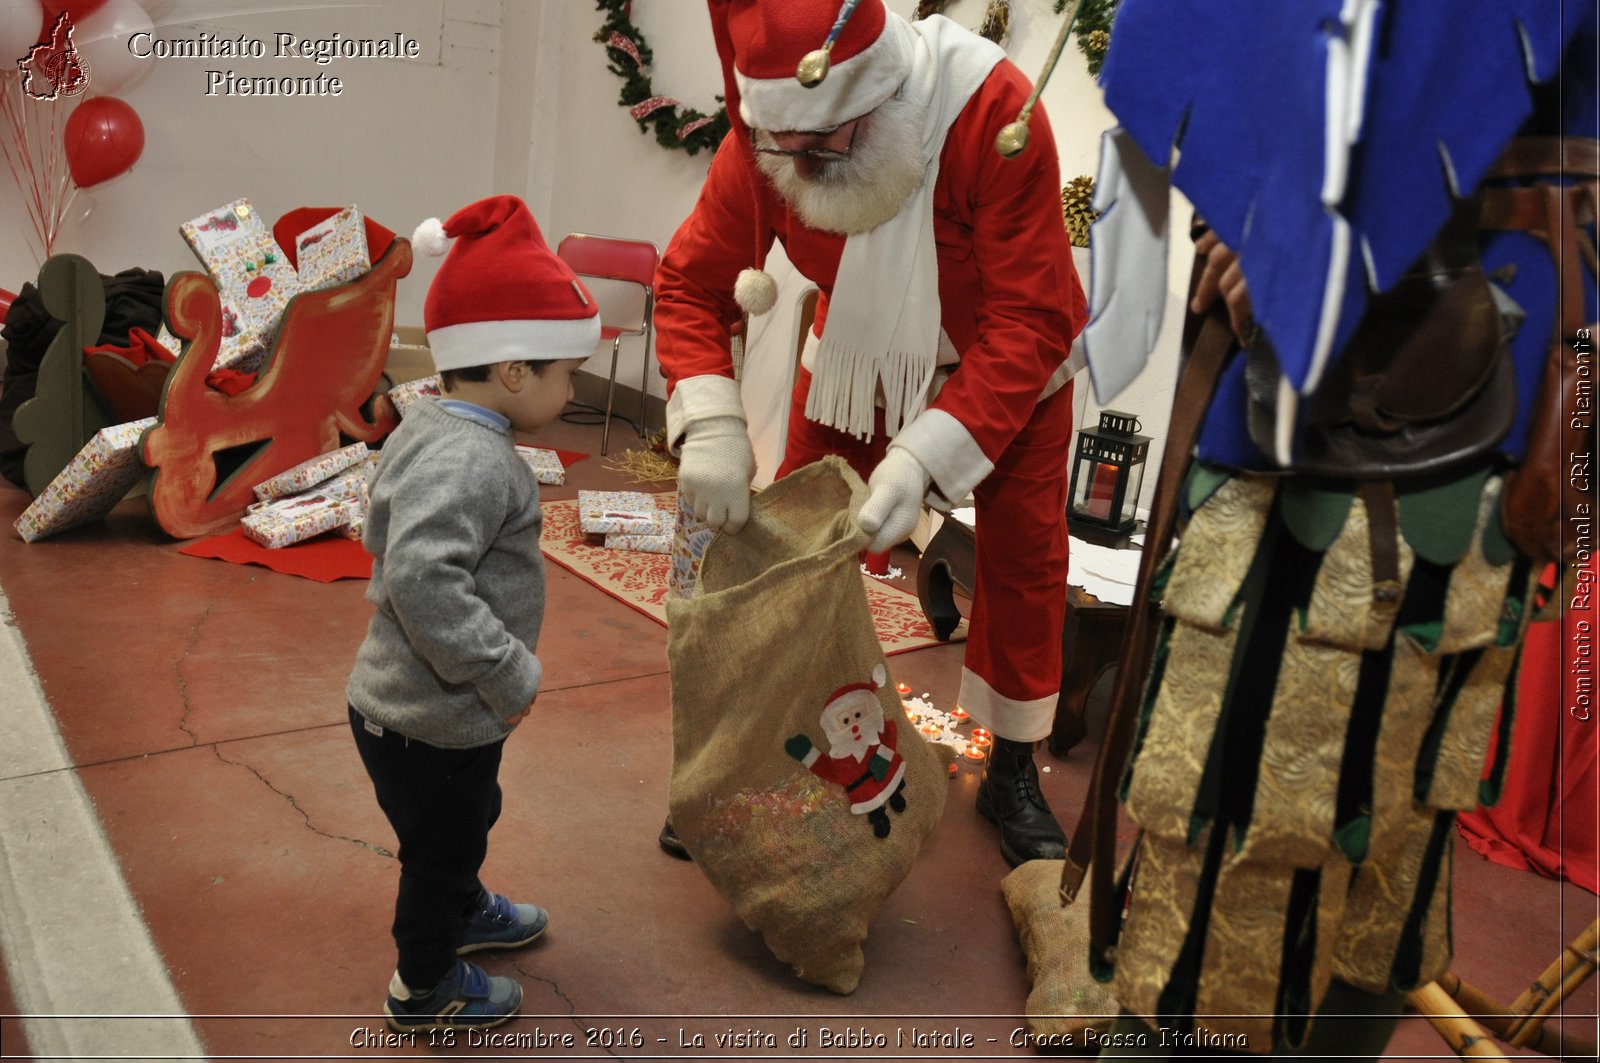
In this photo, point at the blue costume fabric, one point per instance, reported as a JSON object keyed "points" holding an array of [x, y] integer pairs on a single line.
{"points": [[1242, 101]]}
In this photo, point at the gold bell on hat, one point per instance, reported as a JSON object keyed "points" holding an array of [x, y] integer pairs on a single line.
{"points": [[814, 65]]}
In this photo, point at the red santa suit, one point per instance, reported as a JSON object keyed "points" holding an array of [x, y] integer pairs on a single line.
{"points": [[999, 422]]}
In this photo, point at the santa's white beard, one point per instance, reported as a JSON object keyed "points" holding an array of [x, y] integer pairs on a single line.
{"points": [[843, 746], [862, 192]]}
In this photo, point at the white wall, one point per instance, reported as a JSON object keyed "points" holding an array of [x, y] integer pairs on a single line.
{"points": [[406, 139]]}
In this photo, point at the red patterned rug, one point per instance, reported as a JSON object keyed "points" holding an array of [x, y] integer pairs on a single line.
{"points": [[640, 579]]}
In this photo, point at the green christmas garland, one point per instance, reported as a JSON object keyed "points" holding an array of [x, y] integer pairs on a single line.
{"points": [[1092, 27], [675, 125]]}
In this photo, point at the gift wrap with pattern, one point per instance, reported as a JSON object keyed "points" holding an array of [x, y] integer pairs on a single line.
{"points": [[308, 474], [622, 512], [649, 544], [546, 465], [1317, 712], [91, 485], [403, 395], [334, 251], [690, 536], [286, 521], [254, 279]]}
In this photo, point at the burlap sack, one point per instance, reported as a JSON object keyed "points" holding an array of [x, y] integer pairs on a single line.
{"points": [[800, 805], [1066, 1001]]}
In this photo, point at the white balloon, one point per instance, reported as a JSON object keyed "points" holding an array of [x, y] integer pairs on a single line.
{"points": [[21, 22], [102, 40]]}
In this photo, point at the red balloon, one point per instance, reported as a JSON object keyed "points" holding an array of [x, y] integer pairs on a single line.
{"points": [[104, 138]]}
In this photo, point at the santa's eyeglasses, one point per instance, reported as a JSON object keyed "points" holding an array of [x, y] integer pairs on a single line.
{"points": [[819, 154]]}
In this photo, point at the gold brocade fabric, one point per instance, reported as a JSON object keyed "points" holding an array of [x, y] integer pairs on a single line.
{"points": [[1309, 735]]}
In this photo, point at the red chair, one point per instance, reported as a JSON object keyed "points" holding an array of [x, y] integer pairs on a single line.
{"points": [[628, 262]]}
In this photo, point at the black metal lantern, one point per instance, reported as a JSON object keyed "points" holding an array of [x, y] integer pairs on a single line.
{"points": [[1107, 473]]}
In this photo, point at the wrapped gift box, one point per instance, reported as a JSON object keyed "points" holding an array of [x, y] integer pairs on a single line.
{"points": [[309, 474], [546, 466], [649, 544], [91, 485], [286, 521], [403, 395], [624, 512], [334, 251], [352, 482], [253, 277]]}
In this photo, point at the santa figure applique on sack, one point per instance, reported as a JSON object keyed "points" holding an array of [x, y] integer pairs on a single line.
{"points": [[862, 756]]}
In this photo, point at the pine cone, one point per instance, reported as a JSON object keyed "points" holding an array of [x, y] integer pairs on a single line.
{"points": [[1097, 41], [1076, 211]]}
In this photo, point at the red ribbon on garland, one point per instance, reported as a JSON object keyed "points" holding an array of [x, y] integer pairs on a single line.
{"points": [[623, 44], [654, 103], [689, 127]]}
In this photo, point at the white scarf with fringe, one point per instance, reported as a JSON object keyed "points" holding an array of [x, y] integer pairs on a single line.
{"points": [[883, 314]]}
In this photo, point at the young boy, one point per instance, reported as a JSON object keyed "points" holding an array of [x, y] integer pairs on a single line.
{"points": [[448, 669]]}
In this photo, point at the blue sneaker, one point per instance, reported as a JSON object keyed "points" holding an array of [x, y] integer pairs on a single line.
{"points": [[466, 997], [499, 924]]}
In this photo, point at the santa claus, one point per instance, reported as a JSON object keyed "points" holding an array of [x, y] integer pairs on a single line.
{"points": [[938, 365], [862, 753]]}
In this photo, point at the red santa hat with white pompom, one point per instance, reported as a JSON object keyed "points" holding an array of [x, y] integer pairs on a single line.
{"points": [[854, 691], [761, 45], [501, 294]]}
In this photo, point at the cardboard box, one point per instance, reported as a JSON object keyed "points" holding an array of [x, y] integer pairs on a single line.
{"points": [[409, 355]]}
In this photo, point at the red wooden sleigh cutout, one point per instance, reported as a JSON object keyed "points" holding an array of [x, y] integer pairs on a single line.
{"points": [[211, 449]]}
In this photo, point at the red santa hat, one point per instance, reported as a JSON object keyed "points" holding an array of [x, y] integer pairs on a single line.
{"points": [[502, 295], [880, 675], [868, 61], [761, 44]]}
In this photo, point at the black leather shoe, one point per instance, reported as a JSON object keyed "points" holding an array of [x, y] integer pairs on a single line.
{"points": [[1009, 797], [671, 844]]}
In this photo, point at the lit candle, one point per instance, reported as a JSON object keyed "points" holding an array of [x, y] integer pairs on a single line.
{"points": [[931, 729], [981, 738], [904, 689], [959, 713], [911, 713], [1101, 490], [975, 751]]}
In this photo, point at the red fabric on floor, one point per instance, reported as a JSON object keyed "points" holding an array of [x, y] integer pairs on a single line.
{"points": [[1546, 820], [324, 559]]}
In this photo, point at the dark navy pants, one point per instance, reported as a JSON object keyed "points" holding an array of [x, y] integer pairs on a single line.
{"points": [[441, 804]]}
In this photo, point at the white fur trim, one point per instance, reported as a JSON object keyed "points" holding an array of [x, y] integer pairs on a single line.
{"points": [[947, 450], [1016, 721], [429, 238], [697, 398], [533, 339], [852, 88], [755, 291]]}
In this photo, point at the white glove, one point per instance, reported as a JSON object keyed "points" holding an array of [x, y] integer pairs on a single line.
{"points": [[715, 468], [894, 499]]}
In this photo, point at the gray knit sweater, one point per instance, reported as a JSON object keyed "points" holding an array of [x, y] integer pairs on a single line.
{"points": [[457, 580]]}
